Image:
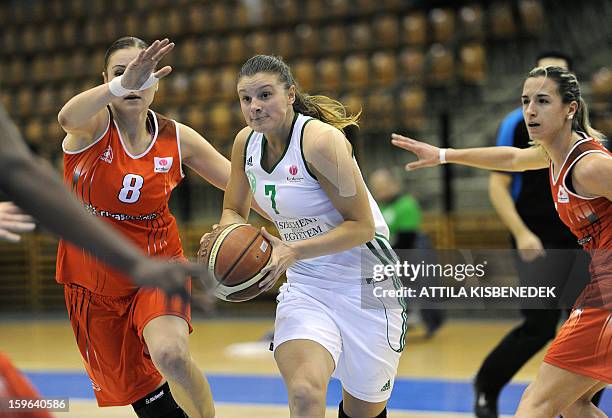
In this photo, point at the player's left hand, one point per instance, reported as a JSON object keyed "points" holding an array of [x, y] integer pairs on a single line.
{"points": [[283, 256], [14, 222]]}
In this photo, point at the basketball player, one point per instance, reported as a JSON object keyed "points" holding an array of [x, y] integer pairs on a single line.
{"points": [[33, 185], [123, 160], [578, 363], [535, 229], [297, 164]]}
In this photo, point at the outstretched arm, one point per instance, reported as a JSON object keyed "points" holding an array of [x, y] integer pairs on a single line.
{"points": [[34, 186], [489, 158]]}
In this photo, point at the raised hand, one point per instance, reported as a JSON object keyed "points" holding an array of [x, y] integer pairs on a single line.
{"points": [[283, 256], [428, 155], [13, 222], [141, 67]]}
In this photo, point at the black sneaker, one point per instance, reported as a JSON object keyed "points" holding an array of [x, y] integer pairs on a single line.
{"points": [[485, 406]]}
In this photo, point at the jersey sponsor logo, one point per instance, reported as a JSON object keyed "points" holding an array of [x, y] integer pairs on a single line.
{"points": [[107, 155], [300, 229], [562, 196], [162, 164], [250, 161], [154, 397], [92, 210], [252, 181], [293, 171]]}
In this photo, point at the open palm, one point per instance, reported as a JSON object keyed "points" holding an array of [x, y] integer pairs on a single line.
{"points": [[141, 67], [428, 155]]}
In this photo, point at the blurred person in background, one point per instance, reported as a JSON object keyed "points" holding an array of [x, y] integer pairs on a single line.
{"points": [[403, 216]]}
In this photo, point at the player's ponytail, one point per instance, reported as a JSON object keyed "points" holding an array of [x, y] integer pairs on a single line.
{"points": [[320, 107], [581, 122]]}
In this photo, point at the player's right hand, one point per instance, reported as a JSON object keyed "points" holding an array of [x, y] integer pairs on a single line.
{"points": [[141, 67], [529, 246], [13, 222], [428, 155], [283, 256], [169, 276]]}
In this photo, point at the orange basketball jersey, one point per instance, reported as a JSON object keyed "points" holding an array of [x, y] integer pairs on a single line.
{"points": [[130, 192], [590, 220]]}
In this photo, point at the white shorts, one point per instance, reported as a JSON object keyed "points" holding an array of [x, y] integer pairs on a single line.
{"points": [[365, 343]]}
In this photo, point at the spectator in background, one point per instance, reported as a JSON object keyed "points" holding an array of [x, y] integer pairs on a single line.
{"points": [[403, 216]]}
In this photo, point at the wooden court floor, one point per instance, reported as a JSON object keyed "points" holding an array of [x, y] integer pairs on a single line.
{"points": [[454, 354]]}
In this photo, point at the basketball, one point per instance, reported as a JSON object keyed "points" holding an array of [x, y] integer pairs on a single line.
{"points": [[235, 254]]}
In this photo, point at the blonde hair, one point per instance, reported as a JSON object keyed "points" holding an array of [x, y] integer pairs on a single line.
{"points": [[569, 90], [319, 107]]}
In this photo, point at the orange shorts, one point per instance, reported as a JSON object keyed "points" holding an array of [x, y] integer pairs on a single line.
{"points": [[109, 330], [14, 385], [584, 344]]}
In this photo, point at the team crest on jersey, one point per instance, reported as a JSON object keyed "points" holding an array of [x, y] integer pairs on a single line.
{"points": [[250, 161], [293, 174], [162, 164], [107, 155], [562, 196]]}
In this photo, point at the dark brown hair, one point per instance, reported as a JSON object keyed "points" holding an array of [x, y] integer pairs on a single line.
{"points": [[123, 43], [320, 107]]}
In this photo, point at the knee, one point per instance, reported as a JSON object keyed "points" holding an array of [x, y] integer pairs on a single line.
{"points": [[305, 396], [534, 405], [172, 359]]}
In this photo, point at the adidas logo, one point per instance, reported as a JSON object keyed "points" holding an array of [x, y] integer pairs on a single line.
{"points": [[250, 161], [386, 386]]}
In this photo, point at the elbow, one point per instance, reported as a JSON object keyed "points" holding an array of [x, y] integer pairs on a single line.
{"points": [[369, 230], [64, 121]]}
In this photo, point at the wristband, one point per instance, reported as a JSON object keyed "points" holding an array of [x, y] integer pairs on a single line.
{"points": [[118, 90], [443, 155]]}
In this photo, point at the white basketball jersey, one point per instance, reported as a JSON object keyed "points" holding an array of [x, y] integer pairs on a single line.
{"points": [[293, 198]]}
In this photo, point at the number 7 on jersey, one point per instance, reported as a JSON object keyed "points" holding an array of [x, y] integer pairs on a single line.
{"points": [[270, 190]]}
